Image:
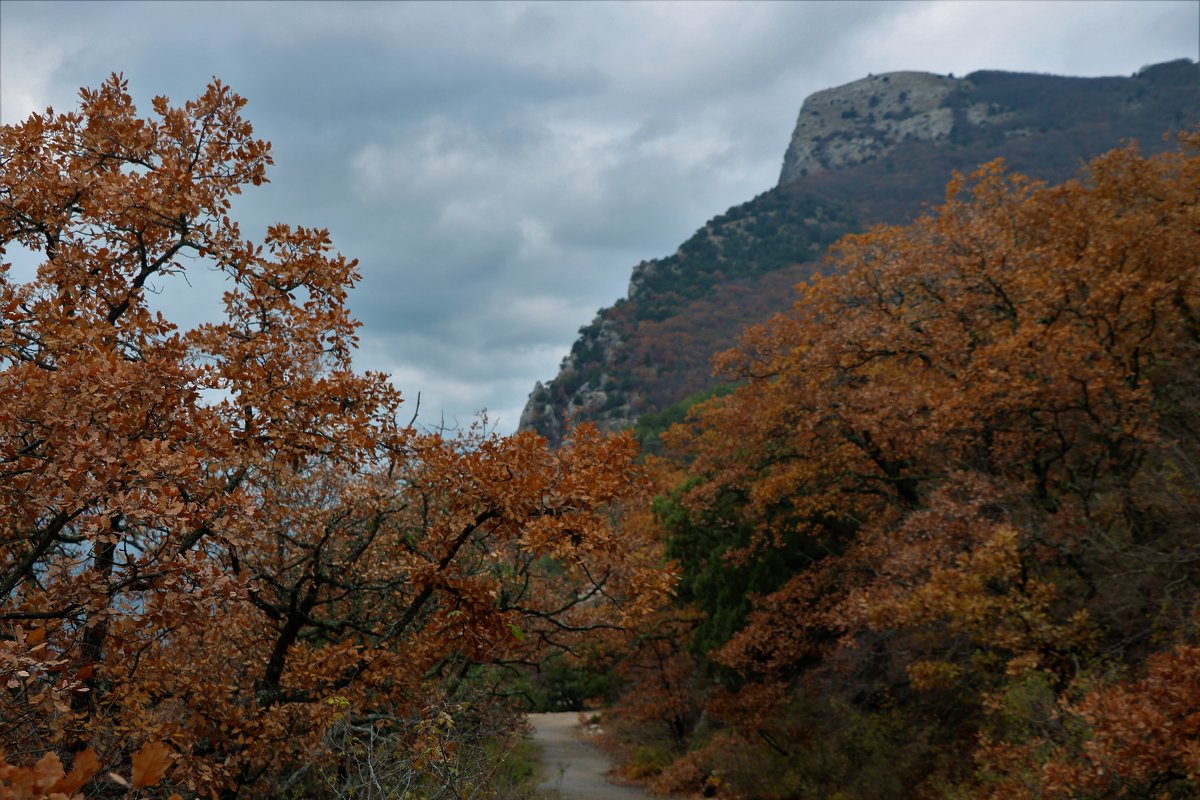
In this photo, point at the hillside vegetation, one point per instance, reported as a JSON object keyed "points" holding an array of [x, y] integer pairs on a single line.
{"points": [[943, 539]]}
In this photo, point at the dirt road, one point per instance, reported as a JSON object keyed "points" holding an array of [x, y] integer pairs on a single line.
{"points": [[574, 769]]}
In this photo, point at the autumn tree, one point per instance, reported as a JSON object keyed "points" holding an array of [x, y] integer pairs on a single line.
{"points": [[1137, 738], [220, 540], [980, 432]]}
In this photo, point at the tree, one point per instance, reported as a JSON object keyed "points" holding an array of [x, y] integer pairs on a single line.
{"points": [[980, 429], [1133, 739], [221, 538]]}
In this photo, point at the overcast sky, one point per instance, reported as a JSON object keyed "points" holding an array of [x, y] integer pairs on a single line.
{"points": [[499, 168]]}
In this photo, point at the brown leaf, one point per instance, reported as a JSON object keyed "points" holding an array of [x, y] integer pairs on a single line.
{"points": [[86, 765], [150, 764], [49, 769]]}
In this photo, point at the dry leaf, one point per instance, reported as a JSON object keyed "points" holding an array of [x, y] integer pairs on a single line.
{"points": [[150, 764], [86, 765]]}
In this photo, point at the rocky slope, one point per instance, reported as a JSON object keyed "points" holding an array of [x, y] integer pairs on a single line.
{"points": [[875, 150]]}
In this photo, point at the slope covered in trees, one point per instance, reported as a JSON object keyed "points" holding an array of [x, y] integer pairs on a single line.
{"points": [[227, 567], [653, 348], [943, 540]]}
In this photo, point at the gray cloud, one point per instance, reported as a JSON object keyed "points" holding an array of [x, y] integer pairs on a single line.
{"points": [[498, 168]]}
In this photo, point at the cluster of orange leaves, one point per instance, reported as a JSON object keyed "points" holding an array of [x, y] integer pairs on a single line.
{"points": [[1142, 734], [47, 780]]}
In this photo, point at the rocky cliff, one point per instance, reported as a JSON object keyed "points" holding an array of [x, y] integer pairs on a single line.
{"points": [[864, 120], [590, 398], [876, 150]]}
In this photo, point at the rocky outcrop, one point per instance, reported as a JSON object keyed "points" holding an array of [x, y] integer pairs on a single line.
{"points": [[641, 273], [862, 121], [577, 393], [539, 409]]}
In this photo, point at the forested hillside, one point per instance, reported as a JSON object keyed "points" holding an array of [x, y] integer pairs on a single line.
{"points": [[888, 157], [943, 538]]}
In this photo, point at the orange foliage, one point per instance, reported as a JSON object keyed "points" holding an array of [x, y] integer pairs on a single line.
{"points": [[1142, 740], [660, 676], [985, 420], [217, 543]]}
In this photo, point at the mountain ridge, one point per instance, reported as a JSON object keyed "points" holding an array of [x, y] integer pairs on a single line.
{"points": [[876, 150]]}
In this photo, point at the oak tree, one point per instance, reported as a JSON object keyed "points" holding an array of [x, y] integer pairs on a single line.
{"points": [[222, 541]]}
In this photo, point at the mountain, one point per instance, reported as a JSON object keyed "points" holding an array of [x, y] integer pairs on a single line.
{"points": [[877, 150]]}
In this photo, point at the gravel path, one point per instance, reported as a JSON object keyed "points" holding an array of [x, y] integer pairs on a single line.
{"points": [[574, 768]]}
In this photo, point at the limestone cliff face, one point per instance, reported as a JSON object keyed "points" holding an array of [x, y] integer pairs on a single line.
{"points": [[863, 120]]}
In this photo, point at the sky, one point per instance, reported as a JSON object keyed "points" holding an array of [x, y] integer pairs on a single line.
{"points": [[499, 168]]}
